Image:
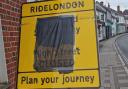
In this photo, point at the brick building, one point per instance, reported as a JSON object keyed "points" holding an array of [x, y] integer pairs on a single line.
{"points": [[10, 11]]}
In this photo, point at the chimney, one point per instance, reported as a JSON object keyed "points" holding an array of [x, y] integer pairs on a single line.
{"points": [[118, 8], [101, 3], [108, 5]]}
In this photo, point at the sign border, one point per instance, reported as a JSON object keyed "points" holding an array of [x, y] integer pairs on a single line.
{"points": [[97, 43]]}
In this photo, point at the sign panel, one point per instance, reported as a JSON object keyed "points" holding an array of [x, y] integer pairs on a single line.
{"points": [[58, 47]]}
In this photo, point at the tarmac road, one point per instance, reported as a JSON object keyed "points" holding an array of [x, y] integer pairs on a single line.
{"points": [[122, 43]]}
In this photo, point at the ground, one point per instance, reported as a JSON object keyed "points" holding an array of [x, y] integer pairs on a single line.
{"points": [[112, 71]]}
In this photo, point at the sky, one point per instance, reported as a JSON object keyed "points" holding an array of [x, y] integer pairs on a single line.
{"points": [[113, 3]]}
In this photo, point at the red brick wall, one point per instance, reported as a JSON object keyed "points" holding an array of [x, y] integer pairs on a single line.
{"points": [[10, 14]]}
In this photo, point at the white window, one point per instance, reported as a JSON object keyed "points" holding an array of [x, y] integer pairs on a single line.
{"points": [[3, 69], [102, 17]]}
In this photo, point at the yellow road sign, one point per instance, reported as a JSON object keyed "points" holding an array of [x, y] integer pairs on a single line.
{"points": [[58, 46]]}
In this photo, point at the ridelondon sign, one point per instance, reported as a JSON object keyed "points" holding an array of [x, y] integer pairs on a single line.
{"points": [[57, 6], [58, 46]]}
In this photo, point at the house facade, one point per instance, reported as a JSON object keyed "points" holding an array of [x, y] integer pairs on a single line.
{"points": [[109, 21], [126, 19], [121, 26], [101, 19], [114, 21]]}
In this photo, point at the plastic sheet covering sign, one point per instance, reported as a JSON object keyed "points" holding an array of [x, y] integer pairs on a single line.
{"points": [[58, 46]]}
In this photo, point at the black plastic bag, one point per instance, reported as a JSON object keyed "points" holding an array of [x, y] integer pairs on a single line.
{"points": [[54, 45]]}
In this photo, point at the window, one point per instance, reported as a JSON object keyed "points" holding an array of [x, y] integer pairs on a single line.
{"points": [[3, 69], [102, 17], [117, 20], [98, 17], [99, 30]]}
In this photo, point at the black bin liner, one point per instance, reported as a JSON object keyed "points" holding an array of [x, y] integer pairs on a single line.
{"points": [[54, 44]]}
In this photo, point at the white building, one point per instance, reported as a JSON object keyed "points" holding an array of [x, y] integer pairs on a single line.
{"points": [[101, 19], [121, 26], [109, 23], [114, 21], [126, 19]]}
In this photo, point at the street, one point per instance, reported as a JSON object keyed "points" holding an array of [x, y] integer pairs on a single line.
{"points": [[112, 71], [122, 42]]}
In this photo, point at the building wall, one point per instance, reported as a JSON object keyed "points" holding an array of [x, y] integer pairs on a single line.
{"points": [[121, 19], [126, 21], [121, 28], [10, 11], [109, 16], [114, 21], [126, 25], [100, 32], [101, 16], [114, 27]]}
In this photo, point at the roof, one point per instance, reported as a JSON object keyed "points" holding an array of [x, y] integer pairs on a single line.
{"points": [[104, 8], [125, 12], [100, 7]]}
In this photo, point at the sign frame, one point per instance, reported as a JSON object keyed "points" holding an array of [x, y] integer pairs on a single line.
{"points": [[97, 43]]}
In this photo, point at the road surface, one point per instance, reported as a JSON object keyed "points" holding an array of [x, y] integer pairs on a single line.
{"points": [[122, 42]]}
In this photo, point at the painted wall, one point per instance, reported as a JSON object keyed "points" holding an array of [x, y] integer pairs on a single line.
{"points": [[100, 28], [114, 27]]}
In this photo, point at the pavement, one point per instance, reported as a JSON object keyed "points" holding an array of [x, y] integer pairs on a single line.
{"points": [[3, 85], [112, 71]]}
